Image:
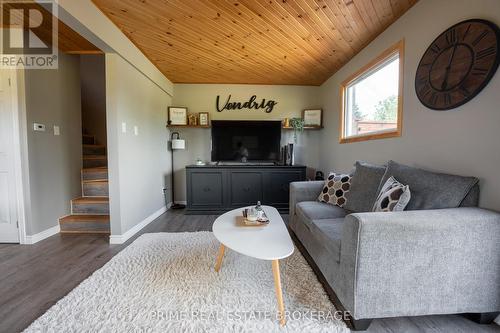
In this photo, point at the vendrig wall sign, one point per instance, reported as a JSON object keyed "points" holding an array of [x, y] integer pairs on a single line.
{"points": [[268, 105]]}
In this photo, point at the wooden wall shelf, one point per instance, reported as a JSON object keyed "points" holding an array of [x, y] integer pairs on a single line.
{"points": [[305, 127], [208, 126], [188, 126]]}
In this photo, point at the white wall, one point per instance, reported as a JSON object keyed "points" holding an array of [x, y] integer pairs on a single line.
{"points": [[461, 141], [202, 98], [139, 166], [52, 97], [93, 82]]}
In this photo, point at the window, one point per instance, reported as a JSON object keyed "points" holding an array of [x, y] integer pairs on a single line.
{"points": [[371, 99]]}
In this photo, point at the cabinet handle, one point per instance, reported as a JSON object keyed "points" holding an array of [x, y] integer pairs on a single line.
{"points": [[206, 189], [246, 189]]}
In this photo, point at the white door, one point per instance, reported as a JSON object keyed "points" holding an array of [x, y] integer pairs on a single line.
{"points": [[8, 202]]}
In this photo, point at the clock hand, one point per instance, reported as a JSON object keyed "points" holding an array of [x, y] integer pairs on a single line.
{"points": [[445, 81]]}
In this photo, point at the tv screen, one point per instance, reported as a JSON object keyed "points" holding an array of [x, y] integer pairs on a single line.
{"points": [[245, 141]]}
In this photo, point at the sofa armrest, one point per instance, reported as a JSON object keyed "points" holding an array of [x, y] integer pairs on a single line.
{"points": [[304, 191], [421, 262]]}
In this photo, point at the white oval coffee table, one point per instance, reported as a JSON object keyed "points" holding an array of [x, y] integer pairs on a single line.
{"points": [[271, 242]]}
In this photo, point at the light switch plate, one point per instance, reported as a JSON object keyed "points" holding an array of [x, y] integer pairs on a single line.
{"points": [[39, 127], [57, 130], [124, 127], [136, 130]]}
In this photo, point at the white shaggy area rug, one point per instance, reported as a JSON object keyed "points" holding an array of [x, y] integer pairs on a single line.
{"points": [[166, 282]]}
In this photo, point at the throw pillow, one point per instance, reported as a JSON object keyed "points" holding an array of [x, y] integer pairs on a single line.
{"points": [[393, 197], [336, 186], [364, 187], [432, 190]]}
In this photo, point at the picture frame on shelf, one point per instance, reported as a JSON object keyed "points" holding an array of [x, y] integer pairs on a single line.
{"points": [[177, 116], [203, 118], [193, 119], [313, 117]]}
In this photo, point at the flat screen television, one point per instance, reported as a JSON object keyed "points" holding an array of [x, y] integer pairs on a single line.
{"points": [[246, 141]]}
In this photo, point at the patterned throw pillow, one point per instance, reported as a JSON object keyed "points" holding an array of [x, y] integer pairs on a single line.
{"points": [[393, 197], [336, 186]]}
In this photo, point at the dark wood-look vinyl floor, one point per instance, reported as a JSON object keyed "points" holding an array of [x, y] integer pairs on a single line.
{"points": [[35, 277]]}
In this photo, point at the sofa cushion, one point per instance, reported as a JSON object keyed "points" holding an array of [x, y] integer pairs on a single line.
{"points": [[329, 232], [431, 190], [364, 187], [313, 210], [472, 199]]}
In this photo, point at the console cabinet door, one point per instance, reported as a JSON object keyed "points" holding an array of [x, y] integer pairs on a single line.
{"points": [[246, 188], [277, 187], [206, 189]]}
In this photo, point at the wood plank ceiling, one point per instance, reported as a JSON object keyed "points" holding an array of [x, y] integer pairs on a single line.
{"points": [[69, 41], [300, 42]]}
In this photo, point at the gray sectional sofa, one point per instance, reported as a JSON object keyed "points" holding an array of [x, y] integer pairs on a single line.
{"points": [[410, 263]]}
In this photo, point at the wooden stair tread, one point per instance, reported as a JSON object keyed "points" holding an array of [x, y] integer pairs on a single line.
{"points": [[87, 145], [96, 169], [94, 157], [91, 181], [91, 200], [84, 218]]}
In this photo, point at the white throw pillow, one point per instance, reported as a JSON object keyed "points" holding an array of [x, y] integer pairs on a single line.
{"points": [[393, 197]]}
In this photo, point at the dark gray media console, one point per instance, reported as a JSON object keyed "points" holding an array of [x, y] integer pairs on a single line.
{"points": [[216, 189]]}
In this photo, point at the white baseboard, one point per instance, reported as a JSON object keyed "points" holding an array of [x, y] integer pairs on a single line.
{"points": [[42, 235], [120, 239]]}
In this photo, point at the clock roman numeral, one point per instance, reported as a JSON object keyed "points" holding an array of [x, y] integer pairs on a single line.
{"points": [[466, 32], [447, 99], [464, 91], [480, 37], [433, 99], [485, 53], [451, 36], [422, 80], [479, 71], [425, 90], [435, 48]]}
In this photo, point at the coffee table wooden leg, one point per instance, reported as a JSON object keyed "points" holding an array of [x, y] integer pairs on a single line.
{"points": [[279, 294], [218, 264]]}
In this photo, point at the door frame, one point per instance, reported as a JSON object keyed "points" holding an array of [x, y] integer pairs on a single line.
{"points": [[18, 109]]}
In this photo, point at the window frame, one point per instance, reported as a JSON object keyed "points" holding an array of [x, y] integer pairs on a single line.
{"points": [[397, 48]]}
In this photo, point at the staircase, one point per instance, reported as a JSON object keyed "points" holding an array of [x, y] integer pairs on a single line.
{"points": [[90, 212]]}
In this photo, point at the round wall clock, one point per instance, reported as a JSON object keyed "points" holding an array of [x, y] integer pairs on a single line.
{"points": [[458, 64]]}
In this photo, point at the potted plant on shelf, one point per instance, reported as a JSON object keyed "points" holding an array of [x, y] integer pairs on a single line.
{"points": [[298, 127]]}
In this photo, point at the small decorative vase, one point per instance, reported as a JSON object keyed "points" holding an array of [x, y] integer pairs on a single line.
{"points": [[286, 122]]}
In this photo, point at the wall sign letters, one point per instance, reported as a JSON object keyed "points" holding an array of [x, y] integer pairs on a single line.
{"points": [[268, 106]]}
